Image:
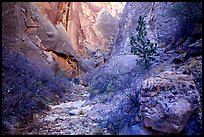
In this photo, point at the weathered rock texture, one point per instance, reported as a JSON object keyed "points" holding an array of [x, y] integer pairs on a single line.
{"points": [[167, 101], [164, 25]]}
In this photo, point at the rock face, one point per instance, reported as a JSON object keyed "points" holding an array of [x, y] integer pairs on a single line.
{"points": [[41, 41], [163, 24], [168, 101], [46, 34], [86, 23]]}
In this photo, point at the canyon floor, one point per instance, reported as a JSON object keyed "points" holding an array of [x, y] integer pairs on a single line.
{"points": [[68, 118]]}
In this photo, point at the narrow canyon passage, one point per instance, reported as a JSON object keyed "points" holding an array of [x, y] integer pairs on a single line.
{"points": [[102, 68], [61, 41]]}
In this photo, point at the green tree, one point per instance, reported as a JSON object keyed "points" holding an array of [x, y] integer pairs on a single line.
{"points": [[141, 45]]}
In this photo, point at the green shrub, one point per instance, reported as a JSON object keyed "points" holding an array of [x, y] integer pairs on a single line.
{"points": [[142, 46]]}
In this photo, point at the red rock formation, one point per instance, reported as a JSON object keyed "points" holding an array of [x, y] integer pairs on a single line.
{"points": [[35, 28], [80, 21], [82, 18], [90, 27]]}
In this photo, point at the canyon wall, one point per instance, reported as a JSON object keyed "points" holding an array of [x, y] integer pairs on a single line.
{"points": [[167, 22], [179, 47], [75, 34], [35, 36], [91, 26]]}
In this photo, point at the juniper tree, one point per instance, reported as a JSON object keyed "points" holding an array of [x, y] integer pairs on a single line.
{"points": [[141, 45]]}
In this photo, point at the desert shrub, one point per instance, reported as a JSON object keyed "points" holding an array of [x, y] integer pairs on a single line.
{"points": [[26, 89], [125, 114], [141, 45], [104, 84], [101, 88]]}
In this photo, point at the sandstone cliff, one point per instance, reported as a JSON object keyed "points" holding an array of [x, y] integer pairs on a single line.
{"points": [[91, 26]]}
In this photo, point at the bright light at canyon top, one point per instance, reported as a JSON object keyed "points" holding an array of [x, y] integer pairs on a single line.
{"points": [[89, 24]]}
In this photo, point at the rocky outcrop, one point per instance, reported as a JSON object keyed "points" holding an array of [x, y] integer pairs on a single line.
{"points": [[168, 101]]}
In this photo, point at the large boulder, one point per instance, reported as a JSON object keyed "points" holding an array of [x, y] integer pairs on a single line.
{"points": [[168, 101]]}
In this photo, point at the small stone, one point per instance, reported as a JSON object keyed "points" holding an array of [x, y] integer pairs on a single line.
{"points": [[50, 34], [75, 128], [93, 118], [137, 119], [81, 112]]}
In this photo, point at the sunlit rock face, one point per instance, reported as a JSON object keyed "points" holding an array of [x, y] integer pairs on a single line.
{"points": [[27, 29], [91, 26], [63, 28]]}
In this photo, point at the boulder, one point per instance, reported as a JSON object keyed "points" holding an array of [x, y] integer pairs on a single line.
{"points": [[168, 101]]}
